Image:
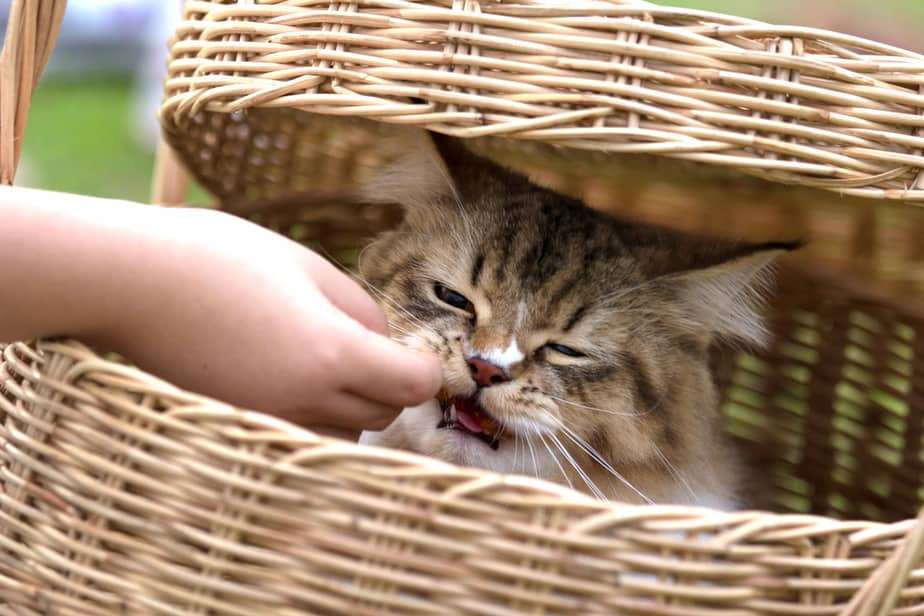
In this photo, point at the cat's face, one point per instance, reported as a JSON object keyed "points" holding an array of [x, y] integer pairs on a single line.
{"points": [[574, 346]]}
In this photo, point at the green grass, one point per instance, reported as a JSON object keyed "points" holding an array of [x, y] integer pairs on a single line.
{"points": [[755, 9], [79, 139], [788, 12]]}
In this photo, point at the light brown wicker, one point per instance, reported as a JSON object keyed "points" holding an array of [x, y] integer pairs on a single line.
{"points": [[797, 105], [30, 36], [122, 494]]}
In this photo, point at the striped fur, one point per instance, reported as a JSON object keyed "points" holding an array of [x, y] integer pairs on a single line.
{"points": [[635, 416]]}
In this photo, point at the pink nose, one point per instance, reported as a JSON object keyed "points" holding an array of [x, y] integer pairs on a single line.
{"points": [[486, 373]]}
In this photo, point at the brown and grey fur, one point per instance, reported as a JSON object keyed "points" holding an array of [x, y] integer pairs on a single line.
{"points": [[643, 303]]}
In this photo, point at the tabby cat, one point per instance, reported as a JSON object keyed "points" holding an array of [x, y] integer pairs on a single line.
{"points": [[574, 344]]}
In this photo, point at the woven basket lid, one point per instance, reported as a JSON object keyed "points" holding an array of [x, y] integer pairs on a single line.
{"points": [[253, 90]]}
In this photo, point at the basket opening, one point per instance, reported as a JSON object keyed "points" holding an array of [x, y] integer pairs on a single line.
{"points": [[832, 411]]}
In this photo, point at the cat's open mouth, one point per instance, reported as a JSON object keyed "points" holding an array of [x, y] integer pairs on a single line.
{"points": [[467, 415]]}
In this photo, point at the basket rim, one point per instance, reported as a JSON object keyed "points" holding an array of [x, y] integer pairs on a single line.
{"points": [[88, 366], [810, 86]]}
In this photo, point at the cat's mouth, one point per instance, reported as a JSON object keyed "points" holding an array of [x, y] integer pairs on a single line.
{"points": [[467, 415]]}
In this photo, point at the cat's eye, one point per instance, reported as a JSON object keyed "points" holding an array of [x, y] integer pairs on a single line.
{"points": [[564, 350], [454, 299]]}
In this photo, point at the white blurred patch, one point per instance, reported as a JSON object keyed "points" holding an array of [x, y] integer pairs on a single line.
{"points": [[506, 357]]}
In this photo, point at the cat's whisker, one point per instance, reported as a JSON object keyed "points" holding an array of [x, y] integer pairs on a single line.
{"points": [[577, 467], [407, 334], [359, 259], [623, 292], [554, 458], [355, 275], [532, 454], [673, 471], [411, 341], [410, 333], [516, 446], [595, 455], [377, 291], [381, 294], [400, 329], [397, 306], [597, 409]]}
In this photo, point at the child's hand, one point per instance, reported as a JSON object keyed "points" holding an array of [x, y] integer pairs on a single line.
{"points": [[219, 306], [255, 319]]}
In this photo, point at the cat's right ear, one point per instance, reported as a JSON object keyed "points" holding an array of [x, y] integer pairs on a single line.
{"points": [[440, 172], [474, 178], [420, 181]]}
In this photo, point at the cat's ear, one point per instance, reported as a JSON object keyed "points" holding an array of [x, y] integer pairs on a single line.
{"points": [[441, 171], [417, 180], [471, 176], [727, 297]]}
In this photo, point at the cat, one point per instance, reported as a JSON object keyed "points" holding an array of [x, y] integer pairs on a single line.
{"points": [[574, 344]]}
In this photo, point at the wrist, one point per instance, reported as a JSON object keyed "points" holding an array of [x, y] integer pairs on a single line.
{"points": [[71, 260], [113, 275]]}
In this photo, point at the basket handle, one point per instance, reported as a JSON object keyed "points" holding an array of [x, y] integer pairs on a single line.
{"points": [[31, 33], [881, 591], [171, 180]]}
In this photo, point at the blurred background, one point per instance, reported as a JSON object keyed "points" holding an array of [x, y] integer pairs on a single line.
{"points": [[93, 127]]}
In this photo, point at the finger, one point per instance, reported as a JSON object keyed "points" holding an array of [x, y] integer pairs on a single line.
{"points": [[383, 370], [344, 413], [347, 295]]}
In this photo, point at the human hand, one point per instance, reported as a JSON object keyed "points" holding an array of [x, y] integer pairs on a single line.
{"points": [[225, 308], [252, 318]]}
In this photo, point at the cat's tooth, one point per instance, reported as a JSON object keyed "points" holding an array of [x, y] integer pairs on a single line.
{"points": [[452, 413]]}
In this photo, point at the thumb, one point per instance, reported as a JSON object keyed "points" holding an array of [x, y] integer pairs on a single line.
{"points": [[389, 373], [348, 296]]}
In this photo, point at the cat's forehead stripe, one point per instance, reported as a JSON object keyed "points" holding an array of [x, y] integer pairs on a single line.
{"points": [[575, 317], [477, 268]]}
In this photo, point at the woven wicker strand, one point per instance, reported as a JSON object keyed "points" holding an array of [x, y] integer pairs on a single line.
{"points": [[30, 36], [123, 494], [795, 105]]}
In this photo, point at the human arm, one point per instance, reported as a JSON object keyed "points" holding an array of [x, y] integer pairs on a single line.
{"points": [[210, 302]]}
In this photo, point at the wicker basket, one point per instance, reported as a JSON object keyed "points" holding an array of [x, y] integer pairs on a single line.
{"points": [[122, 494]]}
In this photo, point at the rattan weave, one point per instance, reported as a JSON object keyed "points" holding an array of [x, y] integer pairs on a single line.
{"points": [[125, 495], [120, 493], [797, 105]]}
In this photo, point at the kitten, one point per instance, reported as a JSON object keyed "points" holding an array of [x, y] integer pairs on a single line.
{"points": [[574, 344]]}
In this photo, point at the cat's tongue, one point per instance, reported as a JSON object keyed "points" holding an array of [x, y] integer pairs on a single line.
{"points": [[476, 421], [468, 415]]}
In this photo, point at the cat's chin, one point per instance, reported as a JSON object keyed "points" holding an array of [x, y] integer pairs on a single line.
{"points": [[416, 429]]}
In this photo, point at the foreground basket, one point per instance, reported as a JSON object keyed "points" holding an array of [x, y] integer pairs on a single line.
{"points": [[122, 494]]}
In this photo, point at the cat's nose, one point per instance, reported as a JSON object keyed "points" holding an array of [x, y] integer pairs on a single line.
{"points": [[485, 373]]}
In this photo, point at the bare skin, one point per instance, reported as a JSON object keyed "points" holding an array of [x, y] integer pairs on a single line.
{"points": [[210, 302]]}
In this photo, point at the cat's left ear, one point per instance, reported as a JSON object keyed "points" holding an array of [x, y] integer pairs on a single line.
{"points": [[728, 296]]}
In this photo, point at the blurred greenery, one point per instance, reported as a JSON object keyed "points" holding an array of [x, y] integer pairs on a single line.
{"points": [[80, 137], [789, 11]]}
